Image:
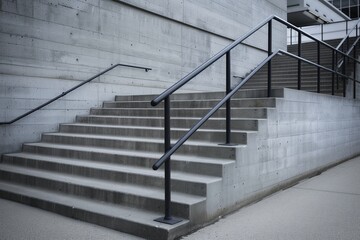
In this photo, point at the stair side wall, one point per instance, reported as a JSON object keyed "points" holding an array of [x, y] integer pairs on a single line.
{"points": [[304, 135], [50, 46]]}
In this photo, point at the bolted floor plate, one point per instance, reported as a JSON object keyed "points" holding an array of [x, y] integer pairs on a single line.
{"points": [[170, 221]]}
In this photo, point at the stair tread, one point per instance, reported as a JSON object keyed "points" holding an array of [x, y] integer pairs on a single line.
{"points": [[199, 178], [150, 127], [116, 211], [195, 100], [172, 118], [135, 153], [138, 139], [180, 109], [148, 192]]}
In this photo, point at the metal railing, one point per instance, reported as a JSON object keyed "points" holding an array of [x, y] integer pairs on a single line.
{"points": [[72, 89], [321, 33], [347, 50], [165, 96]]}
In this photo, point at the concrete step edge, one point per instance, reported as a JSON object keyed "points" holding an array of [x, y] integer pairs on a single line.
{"points": [[125, 219], [108, 186]]}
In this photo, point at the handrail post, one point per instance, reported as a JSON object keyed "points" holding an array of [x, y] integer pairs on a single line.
{"points": [[322, 32], [269, 53], [299, 61], [344, 73], [336, 69], [168, 219], [333, 74], [354, 82], [318, 68], [228, 102], [348, 38]]}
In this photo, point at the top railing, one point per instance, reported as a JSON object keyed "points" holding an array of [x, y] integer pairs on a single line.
{"points": [[355, 27], [220, 54], [325, 31], [170, 149], [72, 89]]}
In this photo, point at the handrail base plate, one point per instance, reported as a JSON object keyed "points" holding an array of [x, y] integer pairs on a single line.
{"points": [[171, 221]]}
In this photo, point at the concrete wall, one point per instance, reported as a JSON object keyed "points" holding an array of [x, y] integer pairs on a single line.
{"points": [[305, 133], [48, 46]]}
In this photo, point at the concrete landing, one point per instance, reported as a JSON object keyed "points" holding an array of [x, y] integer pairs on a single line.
{"points": [[324, 207]]}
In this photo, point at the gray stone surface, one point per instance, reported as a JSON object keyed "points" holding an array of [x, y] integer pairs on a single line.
{"points": [[49, 46], [19, 221], [325, 207]]}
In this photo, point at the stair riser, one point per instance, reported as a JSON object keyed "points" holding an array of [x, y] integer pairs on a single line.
{"points": [[208, 95], [156, 180], [310, 89], [195, 104], [245, 113], [293, 75], [151, 204], [239, 138], [206, 151], [208, 169], [293, 84], [246, 124], [118, 224]]}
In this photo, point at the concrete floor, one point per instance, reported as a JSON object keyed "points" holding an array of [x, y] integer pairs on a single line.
{"points": [[324, 207]]}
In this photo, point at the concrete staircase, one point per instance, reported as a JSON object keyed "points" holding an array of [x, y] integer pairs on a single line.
{"points": [[284, 70], [98, 169]]}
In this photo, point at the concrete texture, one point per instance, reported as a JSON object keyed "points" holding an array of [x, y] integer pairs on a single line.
{"points": [[19, 221], [50, 46], [323, 207], [299, 134], [305, 133]]}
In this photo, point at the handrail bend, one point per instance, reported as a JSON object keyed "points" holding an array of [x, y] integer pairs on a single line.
{"points": [[72, 89]]}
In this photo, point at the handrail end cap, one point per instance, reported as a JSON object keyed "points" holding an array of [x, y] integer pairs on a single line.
{"points": [[154, 103]]}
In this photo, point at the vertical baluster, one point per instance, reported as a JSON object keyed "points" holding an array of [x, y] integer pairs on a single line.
{"points": [[269, 53], [168, 219], [333, 74], [344, 73], [354, 82], [299, 61], [318, 68], [228, 102]]}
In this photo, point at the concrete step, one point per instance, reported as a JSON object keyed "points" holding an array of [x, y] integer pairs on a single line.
{"points": [[237, 102], [245, 124], [146, 197], [35, 154], [260, 112], [207, 135], [256, 93], [291, 84], [121, 218], [201, 148]]}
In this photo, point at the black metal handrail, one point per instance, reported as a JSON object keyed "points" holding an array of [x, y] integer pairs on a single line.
{"points": [[72, 89], [165, 96], [355, 27], [192, 130]]}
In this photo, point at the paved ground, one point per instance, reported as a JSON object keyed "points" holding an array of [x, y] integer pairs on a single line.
{"points": [[325, 207]]}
